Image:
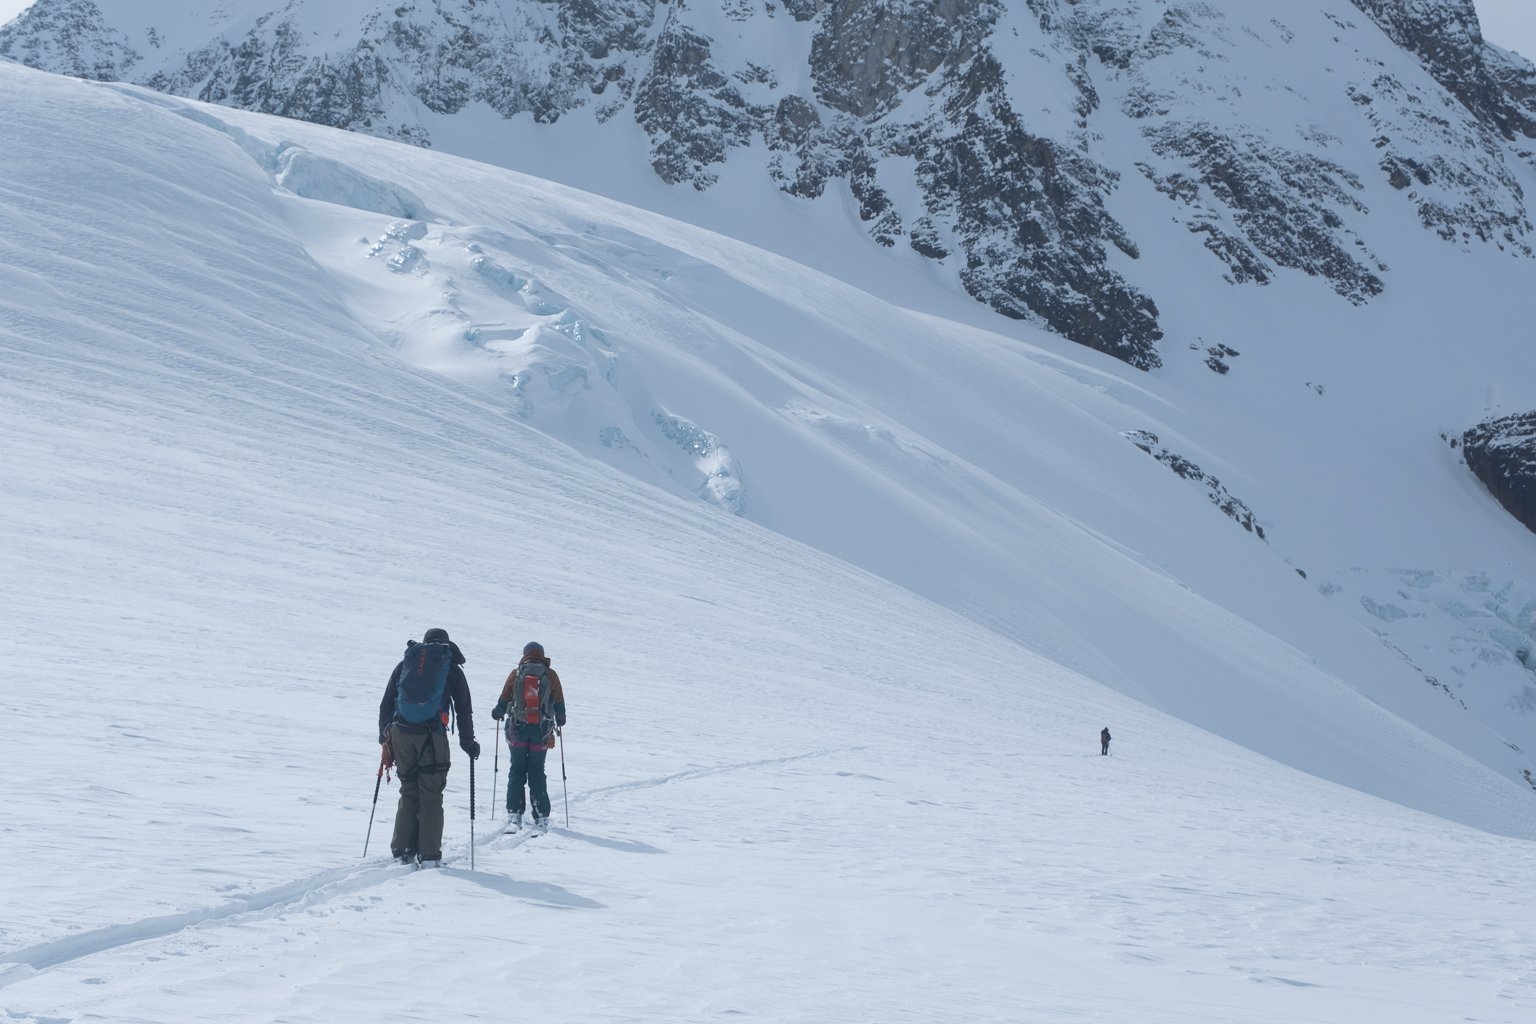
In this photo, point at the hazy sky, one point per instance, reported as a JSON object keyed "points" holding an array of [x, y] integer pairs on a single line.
{"points": [[1510, 23]]}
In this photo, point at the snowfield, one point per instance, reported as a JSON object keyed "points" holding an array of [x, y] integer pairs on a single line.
{"points": [[841, 589]]}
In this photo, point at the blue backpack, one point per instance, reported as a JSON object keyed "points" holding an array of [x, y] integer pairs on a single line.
{"points": [[421, 695]]}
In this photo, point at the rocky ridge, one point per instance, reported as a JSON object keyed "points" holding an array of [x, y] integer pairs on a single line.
{"points": [[927, 96]]}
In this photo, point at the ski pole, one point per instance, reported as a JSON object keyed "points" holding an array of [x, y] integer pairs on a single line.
{"points": [[471, 814], [560, 736], [377, 780], [496, 775]]}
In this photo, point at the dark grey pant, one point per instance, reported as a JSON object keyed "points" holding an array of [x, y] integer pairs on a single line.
{"points": [[421, 762]]}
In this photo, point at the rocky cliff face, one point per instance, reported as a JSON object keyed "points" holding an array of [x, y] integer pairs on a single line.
{"points": [[1502, 452], [992, 137], [70, 37], [1448, 40]]}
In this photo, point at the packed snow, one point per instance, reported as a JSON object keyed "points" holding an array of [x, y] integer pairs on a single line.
{"points": [[841, 591]]}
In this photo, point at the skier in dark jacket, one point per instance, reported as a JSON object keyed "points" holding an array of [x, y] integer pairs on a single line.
{"points": [[1104, 740], [421, 757], [528, 708]]}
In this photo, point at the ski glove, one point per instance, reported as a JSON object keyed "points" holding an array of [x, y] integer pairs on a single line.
{"points": [[472, 748], [499, 711], [560, 722]]}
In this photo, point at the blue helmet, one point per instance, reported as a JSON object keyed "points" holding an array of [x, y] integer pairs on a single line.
{"points": [[533, 648]]}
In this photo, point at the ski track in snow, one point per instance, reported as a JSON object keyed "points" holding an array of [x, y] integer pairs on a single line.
{"points": [[319, 888]]}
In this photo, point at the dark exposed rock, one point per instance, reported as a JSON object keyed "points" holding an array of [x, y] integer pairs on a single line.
{"points": [[1447, 37], [868, 53], [1229, 505], [874, 204], [1515, 78], [692, 112], [70, 37], [1454, 173], [1030, 216], [1259, 204], [1216, 358], [1502, 453], [919, 109], [1026, 212], [924, 237], [1286, 205], [1443, 152]]}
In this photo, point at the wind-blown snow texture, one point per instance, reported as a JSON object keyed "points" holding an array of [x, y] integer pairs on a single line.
{"points": [[842, 592]]}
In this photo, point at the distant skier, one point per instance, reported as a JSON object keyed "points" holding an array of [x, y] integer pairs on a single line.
{"points": [[1104, 740], [533, 704], [413, 726]]}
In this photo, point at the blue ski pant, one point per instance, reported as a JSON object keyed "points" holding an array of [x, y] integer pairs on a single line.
{"points": [[527, 768]]}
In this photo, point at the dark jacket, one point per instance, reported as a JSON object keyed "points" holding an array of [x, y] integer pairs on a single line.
{"points": [[455, 696], [543, 733]]}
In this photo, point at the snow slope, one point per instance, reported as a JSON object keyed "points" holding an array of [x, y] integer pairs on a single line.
{"points": [[276, 399], [950, 451]]}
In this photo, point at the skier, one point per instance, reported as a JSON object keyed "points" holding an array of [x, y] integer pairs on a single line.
{"points": [[413, 727], [1104, 740], [533, 704]]}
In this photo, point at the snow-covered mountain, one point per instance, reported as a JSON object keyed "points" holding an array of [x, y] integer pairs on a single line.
{"points": [[1313, 227], [1328, 208], [1002, 141], [274, 398]]}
